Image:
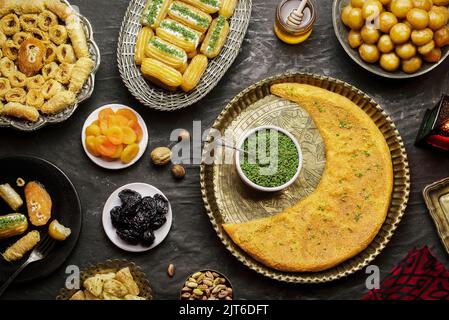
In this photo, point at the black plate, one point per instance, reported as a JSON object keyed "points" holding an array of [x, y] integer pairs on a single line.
{"points": [[66, 209]]}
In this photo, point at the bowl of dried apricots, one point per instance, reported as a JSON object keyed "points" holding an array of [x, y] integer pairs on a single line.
{"points": [[114, 136]]}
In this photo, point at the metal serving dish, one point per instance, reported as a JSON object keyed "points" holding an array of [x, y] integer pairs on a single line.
{"points": [[436, 196], [341, 31], [164, 100], [226, 200], [85, 93]]}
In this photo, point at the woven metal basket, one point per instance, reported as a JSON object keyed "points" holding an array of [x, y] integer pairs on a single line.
{"points": [[112, 266], [232, 114], [84, 94], [164, 100]]}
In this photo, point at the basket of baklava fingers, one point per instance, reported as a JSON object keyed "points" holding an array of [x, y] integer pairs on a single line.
{"points": [[175, 51]]}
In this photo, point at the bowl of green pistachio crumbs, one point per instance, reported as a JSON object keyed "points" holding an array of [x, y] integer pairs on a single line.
{"points": [[268, 159]]}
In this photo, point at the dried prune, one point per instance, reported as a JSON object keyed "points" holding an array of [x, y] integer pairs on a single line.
{"points": [[161, 204], [147, 205], [116, 217], [130, 201], [148, 237], [129, 235], [141, 222], [137, 217], [157, 222]]}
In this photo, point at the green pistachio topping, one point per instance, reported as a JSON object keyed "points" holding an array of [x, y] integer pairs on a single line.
{"points": [[165, 47], [286, 160], [153, 11], [212, 3], [216, 33], [176, 27], [186, 12]]}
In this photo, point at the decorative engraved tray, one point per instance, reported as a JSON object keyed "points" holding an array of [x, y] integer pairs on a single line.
{"points": [[226, 199]]}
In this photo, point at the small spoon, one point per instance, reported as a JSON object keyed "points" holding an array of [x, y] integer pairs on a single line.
{"points": [[295, 17]]}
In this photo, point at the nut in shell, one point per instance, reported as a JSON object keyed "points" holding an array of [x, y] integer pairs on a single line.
{"points": [[178, 171], [207, 285], [161, 156], [171, 270]]}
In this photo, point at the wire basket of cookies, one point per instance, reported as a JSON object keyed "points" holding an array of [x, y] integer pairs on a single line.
{"points": [[48, 60]]}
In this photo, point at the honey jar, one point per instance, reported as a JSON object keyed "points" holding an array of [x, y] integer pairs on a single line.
{"points": [[294, 34]]}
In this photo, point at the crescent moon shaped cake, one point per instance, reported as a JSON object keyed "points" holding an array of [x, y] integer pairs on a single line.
{"points": [[350, 204]]}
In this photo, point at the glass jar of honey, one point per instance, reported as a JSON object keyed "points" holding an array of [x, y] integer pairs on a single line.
{"points": [[294, 34]]}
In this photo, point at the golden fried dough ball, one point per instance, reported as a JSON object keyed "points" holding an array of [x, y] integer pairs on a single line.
{"points": [[385, 45], [355, 19], [370, 34], [369, 53], [412, 65], [441, 37], [437, 19], [355, 39], [400, 33], [390, 61], [371, 9], [406, 51], [345, 15], [433, 56], [427, 48], [441, 2], [422, 4], [385, 2], [400, 7], [386, 21], [358, 3], [418, 18], [421, 37]]}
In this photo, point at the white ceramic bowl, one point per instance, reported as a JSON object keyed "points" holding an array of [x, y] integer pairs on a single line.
{"points": [[114, 165], [145, 190], [256, 186]]}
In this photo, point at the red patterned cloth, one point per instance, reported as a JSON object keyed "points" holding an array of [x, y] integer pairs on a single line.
{"points": [[417, 277]]}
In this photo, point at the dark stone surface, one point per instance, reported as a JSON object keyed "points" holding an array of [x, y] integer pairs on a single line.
{"points": [[192, 244]]}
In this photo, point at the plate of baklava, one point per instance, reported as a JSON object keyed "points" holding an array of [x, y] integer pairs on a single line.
{"points": [[48, 60], [172, 53]]}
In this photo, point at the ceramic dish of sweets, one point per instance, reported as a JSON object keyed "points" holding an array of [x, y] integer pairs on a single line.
{"points": [[268, 159], [137, 217], [394, 38], [114, 136]]}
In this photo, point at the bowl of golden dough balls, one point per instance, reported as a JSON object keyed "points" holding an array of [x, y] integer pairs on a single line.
{"points": [[394, 38]]}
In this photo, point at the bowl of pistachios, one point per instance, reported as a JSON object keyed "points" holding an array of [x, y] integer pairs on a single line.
{"points": [[207, 285]]}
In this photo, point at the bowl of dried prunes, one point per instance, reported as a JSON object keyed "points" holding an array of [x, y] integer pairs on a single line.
{"points": [[137, 217]]}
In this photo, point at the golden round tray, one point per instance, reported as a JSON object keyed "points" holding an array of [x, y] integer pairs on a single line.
{"points": [[112, 266], [228, 201]]}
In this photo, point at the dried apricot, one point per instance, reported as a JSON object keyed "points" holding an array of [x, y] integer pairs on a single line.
{"points": [[104, 126], [91, 146], [93, 130], [129, 136], [127, 114], [107, 148], [138, 130], [105, 113], [129, 153], [115, 135], [118, 152], [117, 120]]}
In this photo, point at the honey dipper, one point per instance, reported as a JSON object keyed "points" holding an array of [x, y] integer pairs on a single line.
{"points": [[295, 17]]}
